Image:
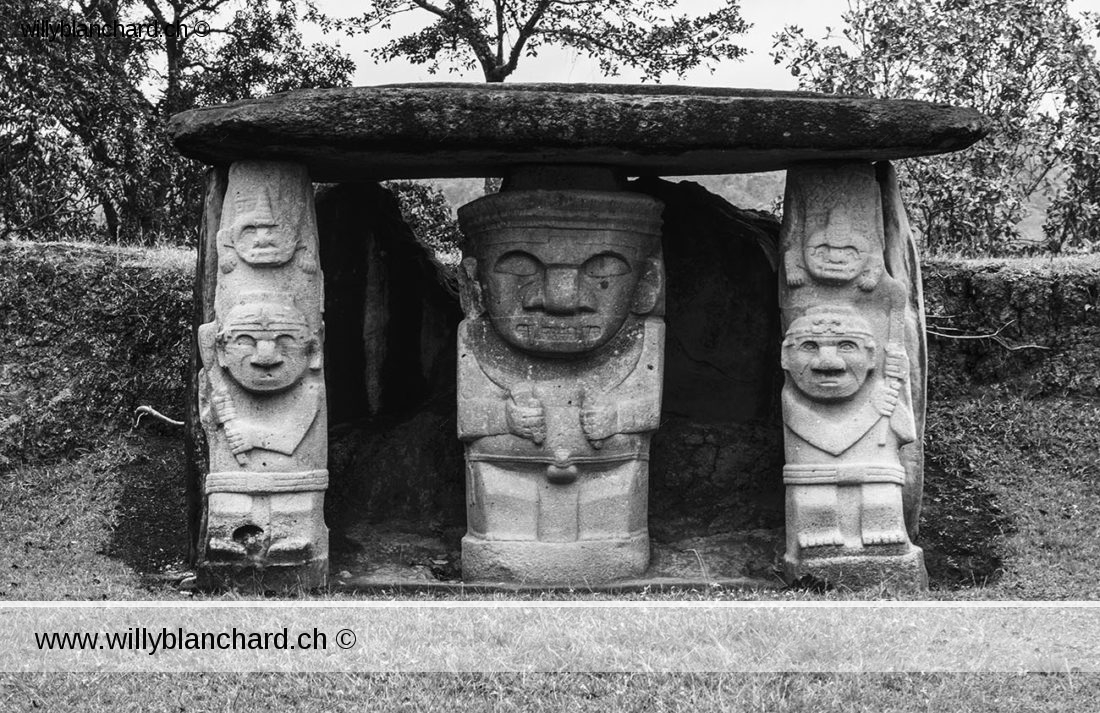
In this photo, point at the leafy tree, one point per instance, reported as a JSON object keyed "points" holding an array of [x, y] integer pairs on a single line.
{"points": [[1027, 65], [85, 116], [494, 36], [428, 215]]}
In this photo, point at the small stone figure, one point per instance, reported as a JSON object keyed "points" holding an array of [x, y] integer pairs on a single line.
{"points": [[844, 426], [560, 366], [253, 233], [837, 254]]}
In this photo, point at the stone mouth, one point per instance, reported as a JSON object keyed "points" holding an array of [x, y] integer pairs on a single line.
{"points": [[267, 256], [559, 333]]}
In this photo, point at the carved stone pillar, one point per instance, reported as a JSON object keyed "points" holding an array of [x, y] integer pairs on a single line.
{"points": [[262, 389], [853, 402], [560, 360]]}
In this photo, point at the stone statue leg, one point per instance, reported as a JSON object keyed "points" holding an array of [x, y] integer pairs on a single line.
{"points": [[813, 515], [882, 518]]}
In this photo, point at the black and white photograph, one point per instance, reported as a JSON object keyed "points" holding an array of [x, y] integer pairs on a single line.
{"points": [[550, 355]]}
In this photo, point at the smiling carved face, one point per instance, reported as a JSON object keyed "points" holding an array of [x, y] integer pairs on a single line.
{"points": [[568, 296], [266, 348], [829, 354]]}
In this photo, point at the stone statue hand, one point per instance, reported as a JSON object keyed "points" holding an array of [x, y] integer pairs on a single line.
{"points": [[224, 408], [868, 279], [238, 439], [796, 274], [887, 398], [599, 420], [897, 364], [526, 415]]}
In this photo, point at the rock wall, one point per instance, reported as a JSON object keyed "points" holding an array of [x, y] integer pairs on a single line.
{"points": [[1041, 318]]}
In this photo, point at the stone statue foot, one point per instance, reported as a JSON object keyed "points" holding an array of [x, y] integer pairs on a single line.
{"points": [[823, 538], [290, 548], [883, 537], [220, 548]]}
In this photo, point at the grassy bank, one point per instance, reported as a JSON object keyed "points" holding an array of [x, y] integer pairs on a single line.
{"points": [[773, 693]]}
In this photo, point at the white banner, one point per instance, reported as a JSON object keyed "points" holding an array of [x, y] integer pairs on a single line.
{"points": [[545, 636]]}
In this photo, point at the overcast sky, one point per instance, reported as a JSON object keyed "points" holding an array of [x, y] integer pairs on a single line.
{"points": [[552, 65]]}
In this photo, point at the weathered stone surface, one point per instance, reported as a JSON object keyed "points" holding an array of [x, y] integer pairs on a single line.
{"points": [[559, 383], [478, 129], [854, 356], [262, 390]]}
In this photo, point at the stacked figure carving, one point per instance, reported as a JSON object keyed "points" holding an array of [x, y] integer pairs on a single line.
{"points": [[854, 358], [262, 393], [560, 361]]}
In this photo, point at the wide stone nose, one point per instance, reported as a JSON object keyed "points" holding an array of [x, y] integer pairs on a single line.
{"points": [[561, 291], [266, 354], [828, 360], [265, 236]]}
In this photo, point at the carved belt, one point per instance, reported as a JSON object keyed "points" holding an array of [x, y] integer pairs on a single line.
{"points": [[843, 474], [244, 482], [619, 457], [562, 469]]}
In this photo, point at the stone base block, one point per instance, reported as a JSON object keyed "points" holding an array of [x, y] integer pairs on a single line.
{"points": [[533, 562], [862, 571], [288, 579]]}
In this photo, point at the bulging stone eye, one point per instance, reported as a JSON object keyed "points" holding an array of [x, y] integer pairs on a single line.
{"points": [[847, 346], [606, 265], [809, 346], [244, 340], [517, 263]]}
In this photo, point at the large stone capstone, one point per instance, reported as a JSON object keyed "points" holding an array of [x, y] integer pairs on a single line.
{"points": [[440, 130]]}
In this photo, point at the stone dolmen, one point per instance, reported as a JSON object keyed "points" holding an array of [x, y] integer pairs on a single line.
{"points": [[561, 355]]}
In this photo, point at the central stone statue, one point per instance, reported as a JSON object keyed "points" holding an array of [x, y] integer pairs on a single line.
{"points": [[560, 361]]}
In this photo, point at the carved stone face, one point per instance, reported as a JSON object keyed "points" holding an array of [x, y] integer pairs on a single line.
{"points": [[568, 296], [263, 242], [267, 348], [838, 252], [833, 258], [829, 355]]}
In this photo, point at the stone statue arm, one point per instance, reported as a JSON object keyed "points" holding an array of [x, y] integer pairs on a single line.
{"points": [[220, 405], [793, 264], [519, 413], [872, 273], [633, 406], [604, 416], [790, 239], [479, 417], [487, 409], [895, 400]]}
